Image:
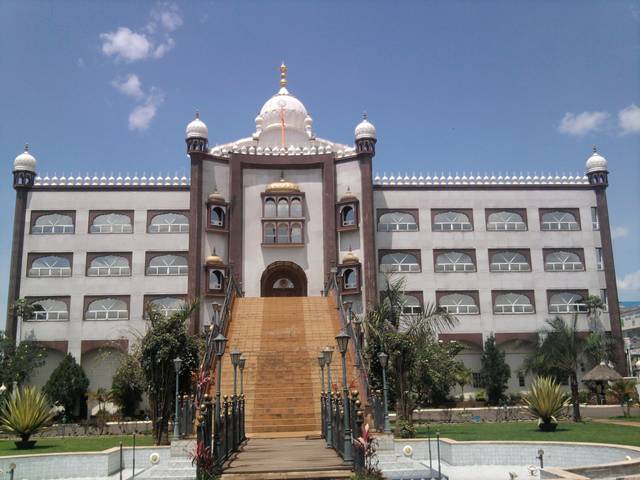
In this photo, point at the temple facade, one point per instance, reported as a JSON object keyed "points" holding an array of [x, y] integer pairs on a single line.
{"points": [[283, 209]]}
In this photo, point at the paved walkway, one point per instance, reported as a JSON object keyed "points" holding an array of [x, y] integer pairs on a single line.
{"points": [[269, 458], [617, 422]]}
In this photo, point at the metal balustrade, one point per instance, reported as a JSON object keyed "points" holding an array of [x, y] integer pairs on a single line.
{"points": [[333, 408]]}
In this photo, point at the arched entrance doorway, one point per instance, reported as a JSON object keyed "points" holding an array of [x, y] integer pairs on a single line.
{"points": [[283, 279]]}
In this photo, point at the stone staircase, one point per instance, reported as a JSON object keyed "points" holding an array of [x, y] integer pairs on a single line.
{"points": [[281, 338], [179, 466]]}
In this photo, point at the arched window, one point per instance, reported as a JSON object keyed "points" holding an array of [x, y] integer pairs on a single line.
{"points": [[397, 222], [217, 217], [566, 302], [216, 279], [168, 305], [283, 208], [459, 304], [269, 207], [412, 305], [347, 216], [283, 233], [512, 302], [111, 223], [559, 220], [107, 309], [53, 223], [454, 262], [283, 283], [399, 262], [296, 233], [167, 265], [350, 277], [561, 261], [505, 220], [109, 266], [296, 207], [50, 309], [451, 221], [50, 266], [508, 262], [269, 233], [169, 223]]}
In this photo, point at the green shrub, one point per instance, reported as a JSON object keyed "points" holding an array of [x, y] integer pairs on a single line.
{"points": [[495, 372], [127, 386], [405, 429], [67, 385], [25, 413], [481, 395], [545, 401]]}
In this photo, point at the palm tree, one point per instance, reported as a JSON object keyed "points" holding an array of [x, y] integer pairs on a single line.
{"points": [[624, 391], [559, 353], [402, 336]]}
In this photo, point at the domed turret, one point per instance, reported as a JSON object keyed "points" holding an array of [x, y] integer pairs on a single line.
{"points": [[366, 136], [597, 169], [197, 135], [25, 161], [214, 260], [24, 169], [350, 258]]}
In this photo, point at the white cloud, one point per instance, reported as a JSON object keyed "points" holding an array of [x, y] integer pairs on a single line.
{"points": [[582, 123], [629, 119], [630, 281], [164, 48], [125, 44], [129, 85], [141, 116], [168, 16], [619, 232]]}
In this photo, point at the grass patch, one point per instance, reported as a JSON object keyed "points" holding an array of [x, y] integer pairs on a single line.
{"points": [[74, 444], [528, 431]]}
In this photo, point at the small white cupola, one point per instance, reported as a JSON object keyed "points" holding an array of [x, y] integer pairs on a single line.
{"points": [[365, 129], [596, 162], [25, 162], [197, 128]]}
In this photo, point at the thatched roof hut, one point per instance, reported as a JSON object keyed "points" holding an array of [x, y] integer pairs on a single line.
{"points": [[602, 373]]}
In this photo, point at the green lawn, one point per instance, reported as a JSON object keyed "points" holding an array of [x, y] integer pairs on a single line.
{"points": [[566, 432], [74, 444], [626, 419]]}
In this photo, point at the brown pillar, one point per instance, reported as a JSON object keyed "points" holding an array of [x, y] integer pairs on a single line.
{"points": [[368, 232], [235, 218], [195, 238], [610, 278], [329, 217], [15, 269]]}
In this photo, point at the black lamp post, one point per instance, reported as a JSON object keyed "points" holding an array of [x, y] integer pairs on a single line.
{"points": [[343, 342], [328, 353], [177, 364], [219, 344], [235, 361], [241, 363], [383, 358]]}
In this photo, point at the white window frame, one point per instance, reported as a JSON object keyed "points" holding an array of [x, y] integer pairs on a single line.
{"points": [[512, 307], [595, 219], [49, 270], [399, 265], [398, 222], [107, 313], [506, 224], [348, 210], [563, 265], [509, 266], [53, 228], [168, 270], [221, 216], [109, 270], [452, 224], [168, 226], [156, 302], [455, 264], [50, 315], [411, 307], [569, 306], [599, 259], [560, 223], [459, 308], [109, 227]]}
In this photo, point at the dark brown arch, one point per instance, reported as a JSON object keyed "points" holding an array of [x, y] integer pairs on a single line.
{"points": [[284, 272]]}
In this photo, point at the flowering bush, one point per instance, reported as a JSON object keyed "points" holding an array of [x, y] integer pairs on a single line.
{"points": [[367, 445], [206, 466]]}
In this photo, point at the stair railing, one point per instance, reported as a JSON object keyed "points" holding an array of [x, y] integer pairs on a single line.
{"points": [[357, 341]]}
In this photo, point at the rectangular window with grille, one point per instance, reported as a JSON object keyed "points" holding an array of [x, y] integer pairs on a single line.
{"points": [[521, 382], [476, 381], [595, 223], [599, 259]]}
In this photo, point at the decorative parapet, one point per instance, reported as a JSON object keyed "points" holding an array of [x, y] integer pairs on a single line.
{"points": [[111, 181], [323, 148], [403, 180]]}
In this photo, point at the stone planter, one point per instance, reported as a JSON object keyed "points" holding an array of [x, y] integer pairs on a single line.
{"points": [[24, 444], [548, 426]]}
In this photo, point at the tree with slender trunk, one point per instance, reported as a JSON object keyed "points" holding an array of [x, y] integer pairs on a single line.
{"points": [[403, 335], [560, 351], [166, 338]]}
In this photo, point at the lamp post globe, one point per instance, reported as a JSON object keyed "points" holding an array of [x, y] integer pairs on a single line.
{"points": [[219, 344], [235, 361], [328, 353], [382, 358], [343, 342], [241, 364]]}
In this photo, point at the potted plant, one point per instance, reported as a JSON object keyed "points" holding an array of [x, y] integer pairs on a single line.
{"points": [[25, 413], [545, 401]]}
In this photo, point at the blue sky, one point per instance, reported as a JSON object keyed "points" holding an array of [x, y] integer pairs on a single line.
{"points": [[479, 86]]}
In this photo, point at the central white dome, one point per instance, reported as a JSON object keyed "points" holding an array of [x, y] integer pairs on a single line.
{"points": [[283, 109]]}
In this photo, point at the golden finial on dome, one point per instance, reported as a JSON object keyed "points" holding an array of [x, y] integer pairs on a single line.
{"points": [[283, 75], [214, 260], [350, 258]]}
